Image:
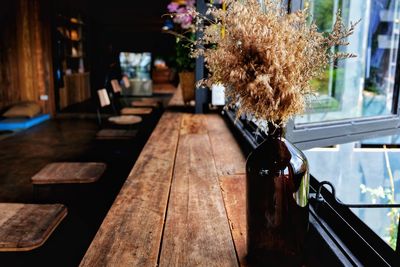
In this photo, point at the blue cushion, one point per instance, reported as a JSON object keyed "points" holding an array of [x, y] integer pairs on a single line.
{"points": [[22, 123]]}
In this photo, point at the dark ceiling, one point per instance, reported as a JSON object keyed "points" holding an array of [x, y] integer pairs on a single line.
{"points": [[128, 25], [126, 15]]}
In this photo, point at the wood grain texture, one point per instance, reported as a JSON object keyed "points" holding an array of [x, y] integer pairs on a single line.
{"points": [[234, 193], [177, 98], [76, 89], [130, 235], [25, 227], [197, 230], [193, 124], [229, 158], [69, 173], [136, 111], [25, 55]]}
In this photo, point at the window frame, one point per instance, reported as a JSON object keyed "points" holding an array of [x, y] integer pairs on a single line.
{"points": [[353, 242], [348, 237], [309, 135]]}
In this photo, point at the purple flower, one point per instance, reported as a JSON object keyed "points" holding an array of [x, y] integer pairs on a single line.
{"points": [[182, 10], [173, 7], [182, 13], [190, 3]]}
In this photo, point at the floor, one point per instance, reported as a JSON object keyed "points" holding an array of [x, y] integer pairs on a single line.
{"points": [[66, 139]]}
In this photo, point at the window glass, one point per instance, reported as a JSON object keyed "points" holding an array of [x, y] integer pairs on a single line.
{"points": [[364, 172], [362, 86]]}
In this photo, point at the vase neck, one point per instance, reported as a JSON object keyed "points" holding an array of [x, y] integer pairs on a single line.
{"points": [[274, 130]]}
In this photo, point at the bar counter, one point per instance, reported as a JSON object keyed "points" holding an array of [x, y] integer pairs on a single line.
{"points": [[183, 203]]}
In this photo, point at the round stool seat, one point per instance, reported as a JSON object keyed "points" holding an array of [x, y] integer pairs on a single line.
{"points": [[136, 111], [125, 119], [145, 103]]}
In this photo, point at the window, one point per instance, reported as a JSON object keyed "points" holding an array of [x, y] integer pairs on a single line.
{"points": [[359, 97], [364, 172], [356, 101]]}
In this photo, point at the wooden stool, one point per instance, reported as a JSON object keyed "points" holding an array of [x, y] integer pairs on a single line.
{"points": [[69, 173], [25, 227], [116, 134], [125, 119], [136, 111], [145, 102], [164, 88]]}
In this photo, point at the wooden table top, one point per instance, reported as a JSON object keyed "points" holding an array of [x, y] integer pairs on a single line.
{"points": [[183, 203], [25, 227], [69, 173]]}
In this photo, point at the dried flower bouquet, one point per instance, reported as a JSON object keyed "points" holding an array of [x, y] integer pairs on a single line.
{"points": [[266, 57]]}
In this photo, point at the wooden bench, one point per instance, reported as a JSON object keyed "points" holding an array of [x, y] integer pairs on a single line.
{"points": [[69, 173], [24, 227]]}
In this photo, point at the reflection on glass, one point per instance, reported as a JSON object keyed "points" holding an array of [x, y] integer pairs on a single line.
{"points": [[135, 65], [364, 172], [361, 86]]}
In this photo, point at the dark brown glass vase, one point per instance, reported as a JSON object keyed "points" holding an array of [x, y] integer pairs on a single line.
{"points": [[277, 202]]}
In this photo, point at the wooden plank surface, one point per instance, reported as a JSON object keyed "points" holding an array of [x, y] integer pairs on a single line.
{"points": [[25, 227], [69, 173], [130, 235], [177, 98], [229, 158], [196, 230], [193, 124], [234, 193]]}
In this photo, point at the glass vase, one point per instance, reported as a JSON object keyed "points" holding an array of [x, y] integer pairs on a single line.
{"points": [[277, 202]]}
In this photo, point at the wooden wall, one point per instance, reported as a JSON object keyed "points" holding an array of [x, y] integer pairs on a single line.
{"points": [[25, 54]]}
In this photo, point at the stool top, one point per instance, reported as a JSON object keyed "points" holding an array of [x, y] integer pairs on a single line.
{"points": [[136, 111], [69, 173], [125, 119], [116, 133], [145, 103], [25, 227]]}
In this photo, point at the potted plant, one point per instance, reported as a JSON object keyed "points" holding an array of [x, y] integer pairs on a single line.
{"points": [[184, 30], [266, 59]]}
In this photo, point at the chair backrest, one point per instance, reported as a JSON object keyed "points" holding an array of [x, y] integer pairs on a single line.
{"points": [[103, 97], [126, 81], [116, 87]]}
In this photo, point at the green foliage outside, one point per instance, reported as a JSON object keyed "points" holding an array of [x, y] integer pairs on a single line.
{"points": [[323, 15]]}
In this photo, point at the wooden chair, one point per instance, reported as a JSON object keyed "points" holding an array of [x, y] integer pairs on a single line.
{"points": [[24, 227], [116, 90], [105, 101]]}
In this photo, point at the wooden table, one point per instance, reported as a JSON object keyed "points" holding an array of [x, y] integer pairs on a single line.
{"points": [[183, 203]]}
